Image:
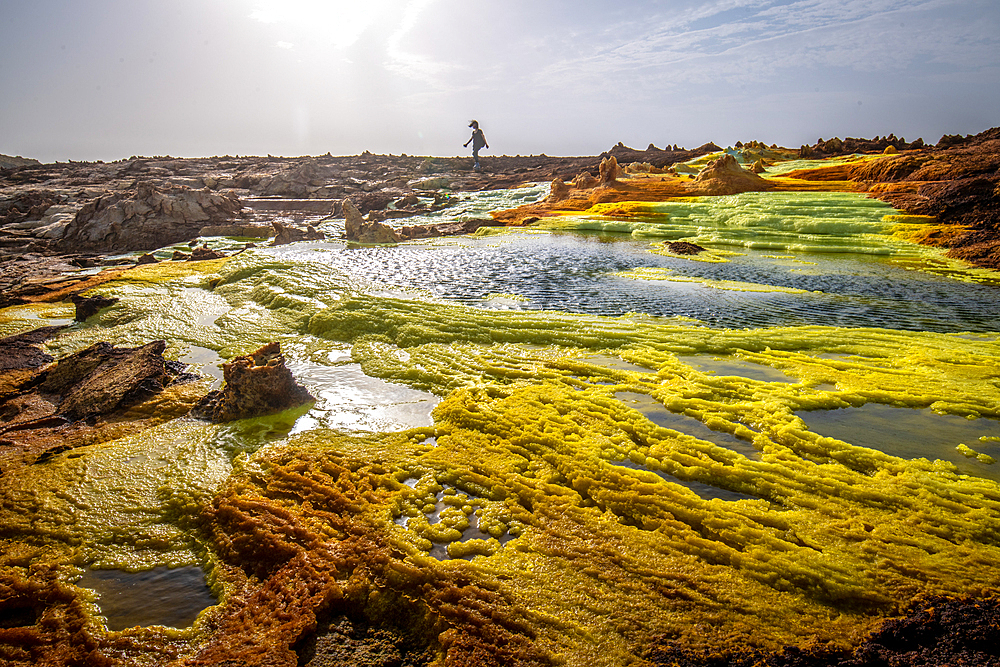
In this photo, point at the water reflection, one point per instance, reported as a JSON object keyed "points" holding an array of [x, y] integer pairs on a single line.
{"points": [[911, 434], [205, 361], [348, 399], [737, 367], [574, 272], [161, 596]]}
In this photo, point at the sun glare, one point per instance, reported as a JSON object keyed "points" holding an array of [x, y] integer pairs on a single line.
{"points": [[339, 22]]}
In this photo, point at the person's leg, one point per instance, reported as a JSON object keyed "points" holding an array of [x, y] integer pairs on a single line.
{"points": [[475, 155]]}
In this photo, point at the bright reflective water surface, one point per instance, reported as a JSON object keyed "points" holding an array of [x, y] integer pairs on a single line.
{"points": [[576, 273]]}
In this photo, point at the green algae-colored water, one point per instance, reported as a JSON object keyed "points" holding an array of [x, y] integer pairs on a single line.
{"points": [[541, 404]]}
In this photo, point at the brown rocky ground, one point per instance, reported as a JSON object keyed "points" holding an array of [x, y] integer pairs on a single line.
{"points": [[82, 399], [941, 631], [81, 212]]}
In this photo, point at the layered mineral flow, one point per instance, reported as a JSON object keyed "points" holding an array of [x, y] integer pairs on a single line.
{"points": [[714, 408]]}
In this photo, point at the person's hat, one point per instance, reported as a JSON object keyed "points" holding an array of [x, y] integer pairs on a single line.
{"points": [[473, 123]]}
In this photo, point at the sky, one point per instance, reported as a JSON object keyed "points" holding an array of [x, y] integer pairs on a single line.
{"points": [[108, 79]]}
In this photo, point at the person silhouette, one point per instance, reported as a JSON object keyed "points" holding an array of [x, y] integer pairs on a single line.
{"points": [[478, 140]]}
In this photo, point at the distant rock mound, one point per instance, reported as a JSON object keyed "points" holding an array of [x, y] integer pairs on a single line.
{"points": [[13, 162], [851, 145], [725, 176], [147, 218], [657, 157]]}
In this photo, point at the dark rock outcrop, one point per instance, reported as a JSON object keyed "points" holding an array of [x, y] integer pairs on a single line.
{"points": [[21, 351], [16, 161], [255, 384], [937, 631], [850, 145], [657, 157], [82, 399], [684, 248], [102, 378], [87, 306], [447, 228]]}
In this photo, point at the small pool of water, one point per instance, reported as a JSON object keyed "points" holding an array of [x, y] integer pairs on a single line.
{"points": [[204, 361], [912, 434], [348, 399], [161, 596], [737, 367], [615, 363], [655, 412]]}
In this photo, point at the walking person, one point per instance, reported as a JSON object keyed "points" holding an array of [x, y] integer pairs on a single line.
{"points": [[478, 141]]}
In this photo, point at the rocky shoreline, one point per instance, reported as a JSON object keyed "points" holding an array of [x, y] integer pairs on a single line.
{"points": [[85, 213]]}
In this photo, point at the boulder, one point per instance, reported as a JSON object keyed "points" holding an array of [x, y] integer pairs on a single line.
{"points": [[87, 306], [146, 218], [255, 384], [378, 232], [85, 398], [353, 220], [431, 183], [585, 180], [684, 248], [366, 202], [103, 379], [409, 201], [356, 228], [287, 234]]}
